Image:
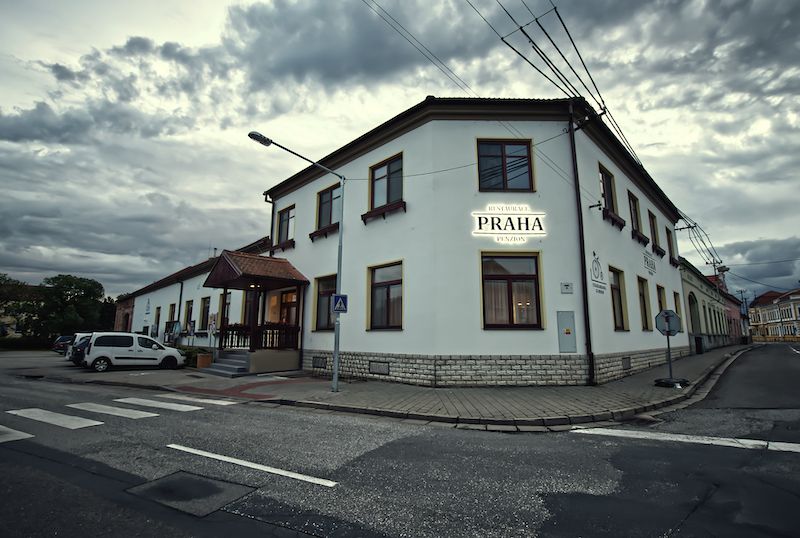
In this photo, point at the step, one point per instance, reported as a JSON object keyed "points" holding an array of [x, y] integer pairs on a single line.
{"points": [[223, 373], [232, 362], [234, 369]]}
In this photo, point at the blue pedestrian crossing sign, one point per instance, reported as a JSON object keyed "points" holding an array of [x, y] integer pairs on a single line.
{"points": [[340, 304]]}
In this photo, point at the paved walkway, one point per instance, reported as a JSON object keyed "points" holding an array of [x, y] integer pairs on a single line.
{"points": [[512, 407]]}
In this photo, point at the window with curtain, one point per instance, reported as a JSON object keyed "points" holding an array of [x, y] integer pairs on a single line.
{"points": [[386, 305], [510, 292]]}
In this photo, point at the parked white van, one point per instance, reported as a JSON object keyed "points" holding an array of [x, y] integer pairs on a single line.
{"points": [[108, 349]]}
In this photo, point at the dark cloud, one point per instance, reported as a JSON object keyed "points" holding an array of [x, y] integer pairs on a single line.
{"points": [[758, 265], [135, 46]]}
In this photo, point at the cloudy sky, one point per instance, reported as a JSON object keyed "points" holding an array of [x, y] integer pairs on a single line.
{"points": [[123, 148]]}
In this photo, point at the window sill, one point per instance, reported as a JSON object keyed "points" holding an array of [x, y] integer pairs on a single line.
{"points": [[378, 329], [658, 250], [282, 246], [640, 237], [674, 262], [622, 330], [613, 218], [383, 210], [528, 190], [323, 330], [512, 328], [324, 231]]}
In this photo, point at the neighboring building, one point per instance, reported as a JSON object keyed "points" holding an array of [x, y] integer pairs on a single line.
{"points": [[775, 316], [737, 321], [713, 316], [485, 243], [178, 309]]}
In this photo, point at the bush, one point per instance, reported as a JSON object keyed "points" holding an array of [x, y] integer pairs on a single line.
{"points": [[191, 352], [25, 342]]}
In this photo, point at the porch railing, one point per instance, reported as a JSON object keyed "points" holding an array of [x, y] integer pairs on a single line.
{"points": [[267, 336]]}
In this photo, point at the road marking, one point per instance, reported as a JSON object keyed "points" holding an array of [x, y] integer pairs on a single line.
{"points": [[110, 410], [755, 444], [257, 466], [793, 349], [65, 421], [7, 434], [194, 399], [160, 405]]}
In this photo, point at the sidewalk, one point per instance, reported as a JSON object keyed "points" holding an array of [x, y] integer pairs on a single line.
{"points": [[511, 408]]}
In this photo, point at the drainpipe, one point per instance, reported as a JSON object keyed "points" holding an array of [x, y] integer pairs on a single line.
{"points": [[582, 246], [269, 200]]}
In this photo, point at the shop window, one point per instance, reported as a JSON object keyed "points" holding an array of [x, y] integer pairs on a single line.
{"points": [[288, 310], [654, 234], [609, 199], [504, 166], [644, 303], [329, 206], [616, 280], [386, 297], [511, 292], [205, 308], [285, 225], [326, 287]]}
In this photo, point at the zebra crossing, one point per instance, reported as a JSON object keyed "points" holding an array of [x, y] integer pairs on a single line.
{"points": [[129, 411]]}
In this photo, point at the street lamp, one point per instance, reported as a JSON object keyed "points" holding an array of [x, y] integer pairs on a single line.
{"points": [[264, 141]]}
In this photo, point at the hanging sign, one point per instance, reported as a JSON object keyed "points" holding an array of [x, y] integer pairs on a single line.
{"points": [[508, 223]]}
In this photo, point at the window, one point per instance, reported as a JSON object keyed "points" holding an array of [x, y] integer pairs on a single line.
{"points": [[662, 298], [671, 248], [205, 307], [510, 292], [326, 287], [676, 297], [504, 165], [148, 343], [636, 220], [288, 311], [224, 309], [654, 234], [247, 306], [387, 182], [386, 305], [644, 304], [114, 341], [286, 225], [329, 206], [609, 199], [171, 312], [157, 321], [188, 314], [616, 280]]}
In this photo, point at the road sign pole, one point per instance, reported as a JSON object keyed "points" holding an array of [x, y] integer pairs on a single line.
{"points": [[669, 357]]}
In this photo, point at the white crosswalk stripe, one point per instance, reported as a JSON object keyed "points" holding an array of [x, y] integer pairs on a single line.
{"points": [[196, 399], [65, 421], [111, 410], [7, 434], [161, 405]]}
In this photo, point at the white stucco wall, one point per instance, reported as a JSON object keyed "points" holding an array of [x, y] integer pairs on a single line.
{"points": [[442, 310]]}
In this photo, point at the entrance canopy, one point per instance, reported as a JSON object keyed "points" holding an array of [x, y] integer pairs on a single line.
{"points": [[240, 271]]}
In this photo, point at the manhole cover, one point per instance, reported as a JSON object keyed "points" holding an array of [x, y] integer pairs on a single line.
{"points": [[191, 493]]}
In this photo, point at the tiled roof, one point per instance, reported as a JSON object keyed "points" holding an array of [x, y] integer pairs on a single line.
{"points": [[252, 265]]}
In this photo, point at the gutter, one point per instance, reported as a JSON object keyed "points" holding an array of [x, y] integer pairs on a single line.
{"points": [[582, 246]]}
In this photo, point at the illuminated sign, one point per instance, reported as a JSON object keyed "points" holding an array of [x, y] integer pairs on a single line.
{"points": [[508, 223]]}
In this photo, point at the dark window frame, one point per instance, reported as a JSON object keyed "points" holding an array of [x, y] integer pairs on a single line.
{"points": [[608, 194], [330, 317], [388, 202], [387, 286], [205, 312], [283, 238], [509, 280], [503, 143], [332, 220], [617, 295], [643, 291]]}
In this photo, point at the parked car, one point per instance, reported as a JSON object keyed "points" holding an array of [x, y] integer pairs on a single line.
{"points": [[60, 345], [77, 351], [107, 349], [75, 339]]}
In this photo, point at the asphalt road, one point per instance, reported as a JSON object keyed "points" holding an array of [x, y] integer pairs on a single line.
{"points": [[393, 478]]}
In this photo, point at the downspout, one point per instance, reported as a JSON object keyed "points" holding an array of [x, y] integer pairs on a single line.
{"points": [[268, 200], [582, 246], [180, 299]]}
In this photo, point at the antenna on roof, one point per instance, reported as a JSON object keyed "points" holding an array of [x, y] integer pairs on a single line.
{"points": [[215, 252]]}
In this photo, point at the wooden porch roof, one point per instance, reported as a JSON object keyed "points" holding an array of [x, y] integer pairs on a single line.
{"points": [[240, 271]]}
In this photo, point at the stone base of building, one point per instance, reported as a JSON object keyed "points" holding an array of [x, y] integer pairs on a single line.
{"points": [[453, 370], [485, 370], [611, 366]]}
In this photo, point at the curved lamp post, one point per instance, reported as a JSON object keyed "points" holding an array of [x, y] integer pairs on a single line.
{"points": [[264, 141]]}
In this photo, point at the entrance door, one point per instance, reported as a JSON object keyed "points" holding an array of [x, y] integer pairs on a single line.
{"points": [[288, 312]]}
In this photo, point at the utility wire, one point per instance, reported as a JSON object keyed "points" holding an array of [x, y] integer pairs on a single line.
{"points": [[762, 263], [757, 282]]}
